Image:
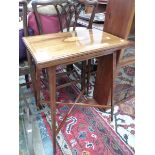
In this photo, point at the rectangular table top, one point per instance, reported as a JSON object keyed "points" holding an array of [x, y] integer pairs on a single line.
{"points": [[69, 47]]}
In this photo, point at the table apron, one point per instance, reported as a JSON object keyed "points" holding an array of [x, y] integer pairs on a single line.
{"points": [[77, 58]]}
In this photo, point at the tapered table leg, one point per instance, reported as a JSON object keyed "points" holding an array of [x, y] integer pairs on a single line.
{"points": [[52, 93], [113, 84]]}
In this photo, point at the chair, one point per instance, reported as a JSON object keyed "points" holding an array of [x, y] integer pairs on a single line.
{"points": [[25, 58], [66, 14], [118, 21], [23, 31]]}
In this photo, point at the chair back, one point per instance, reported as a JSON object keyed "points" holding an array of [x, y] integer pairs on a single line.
{"points": [[118, 20], [23, 29], [23, 15], [119, 17], [66, 12]]}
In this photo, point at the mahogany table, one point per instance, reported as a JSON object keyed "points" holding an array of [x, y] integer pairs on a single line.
{"points": [[50, 50]]}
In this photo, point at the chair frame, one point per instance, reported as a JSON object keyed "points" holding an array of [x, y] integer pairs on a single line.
{"points": [[72, 9], [26, 69], [118, 21]]}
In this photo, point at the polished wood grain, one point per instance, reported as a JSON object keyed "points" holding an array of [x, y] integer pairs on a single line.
{"points": [[103, 79], [118, 21], [119, 17], [61, 48]]}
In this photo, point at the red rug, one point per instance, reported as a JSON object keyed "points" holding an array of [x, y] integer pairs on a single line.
{"points": [[85, 131]]}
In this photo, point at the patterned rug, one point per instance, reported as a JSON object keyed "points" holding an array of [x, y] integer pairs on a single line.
{"points": [[87, 131]]}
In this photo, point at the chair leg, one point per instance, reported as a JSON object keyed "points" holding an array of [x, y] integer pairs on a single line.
{"points": [[27, 81], [44, 73], [83, 75], [69, 67], [88, 74], [38, 88]]}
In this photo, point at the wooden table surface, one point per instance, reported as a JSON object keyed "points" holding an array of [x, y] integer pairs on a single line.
{"points": [[60, 48]]}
